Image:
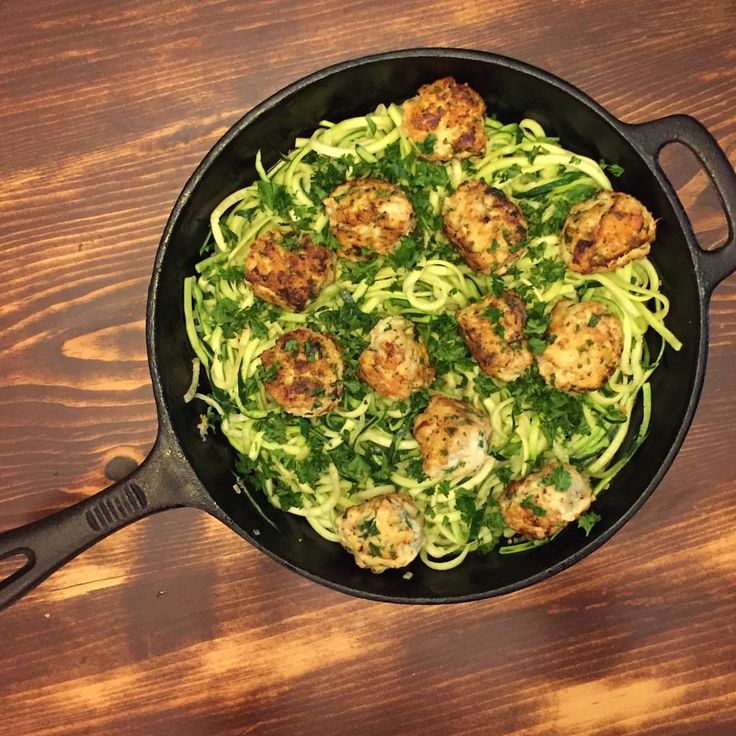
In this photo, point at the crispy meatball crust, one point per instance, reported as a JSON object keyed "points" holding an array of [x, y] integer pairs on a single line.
{"points": [[369, 214], [309, 370], [383, 532], [290, 279], [493, 329], [586, 341], [454, 113], [485, 226], [606, 232], [395, 363], [453, 438], [535, 507]]}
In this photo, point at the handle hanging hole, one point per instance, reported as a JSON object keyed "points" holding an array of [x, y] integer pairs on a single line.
{"points": [[697, 194], [15, 563]]}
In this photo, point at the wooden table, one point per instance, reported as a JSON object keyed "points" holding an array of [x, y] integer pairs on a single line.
{"points": [[174, 625]]}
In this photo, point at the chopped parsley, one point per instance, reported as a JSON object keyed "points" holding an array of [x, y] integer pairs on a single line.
{"points": [[528, 503], [494, 315], [446, 347], [612, 169], [264, 375], [532, 153], [362, 271], [504, 474], [406, 255], [327, 173], [427, 145], [471, 515], [587, 521], [484, 385], [312, 350], [546, 214], [415, 470], [274, 197], [231, 239], [561, 414], [230, 273], [350, 464], [274, 428], [535, 329], [495, 285], [228, 315], [546, 272], [311, 469], [368, 528], [291, 241], [559, 478]]}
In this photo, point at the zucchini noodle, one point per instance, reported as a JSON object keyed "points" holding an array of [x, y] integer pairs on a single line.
{"points": [[317, 468]]}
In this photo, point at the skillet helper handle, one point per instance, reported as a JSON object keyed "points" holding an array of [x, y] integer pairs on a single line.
{"points": [[48, 543], [714, 265]]}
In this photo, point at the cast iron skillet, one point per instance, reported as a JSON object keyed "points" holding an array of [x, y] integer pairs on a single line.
{"points": [[184, 471]]}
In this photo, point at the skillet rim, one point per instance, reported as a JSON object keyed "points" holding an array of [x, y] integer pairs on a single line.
{"points": [[625, 130]]}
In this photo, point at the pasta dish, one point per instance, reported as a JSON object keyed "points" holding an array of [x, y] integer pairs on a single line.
{"points": [[428, 332]]}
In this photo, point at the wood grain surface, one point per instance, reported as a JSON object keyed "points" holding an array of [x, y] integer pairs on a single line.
{"points": [[176, 626]]}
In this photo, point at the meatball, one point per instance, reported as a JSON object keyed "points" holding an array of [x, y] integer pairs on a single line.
{"points": [[585, 341], [453, 438], [288, 270], [493, 329], [384, 532], [307, 371], [453, 113], [486, 227], [544, 502], [605, 232], [369, 214], [395, 363]]}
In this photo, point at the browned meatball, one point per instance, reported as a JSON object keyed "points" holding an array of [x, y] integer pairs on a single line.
{"points": [[544, 502], [585, 345], [383, 532], [308, 372], [289, 277], [605, 232], [453, 113], [368, 214], [486, 227], [395, 363], [453, 438], [493, 329]]}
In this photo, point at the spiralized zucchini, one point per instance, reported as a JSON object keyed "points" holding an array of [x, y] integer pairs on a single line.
{"points": [[316, 468]]}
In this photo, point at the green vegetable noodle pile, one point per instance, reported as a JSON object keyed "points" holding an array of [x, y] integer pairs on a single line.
{"points": [[317, 467]]}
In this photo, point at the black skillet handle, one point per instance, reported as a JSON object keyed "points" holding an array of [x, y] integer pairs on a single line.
{"points": [[158, 484], [652, 136]]}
